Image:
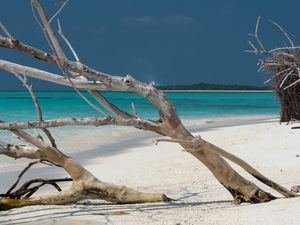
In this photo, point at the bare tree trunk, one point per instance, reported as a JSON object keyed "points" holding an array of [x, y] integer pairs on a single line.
{"points": [[84, 184], [241, 189]]}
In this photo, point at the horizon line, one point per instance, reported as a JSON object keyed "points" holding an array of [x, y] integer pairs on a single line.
{"points": [[179, 90]]}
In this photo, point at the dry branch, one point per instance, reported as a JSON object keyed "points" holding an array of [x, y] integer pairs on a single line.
{"points": [[7, 194], [84, 184], [37, 106], [283, 66], [88, 121], [46, 76]]}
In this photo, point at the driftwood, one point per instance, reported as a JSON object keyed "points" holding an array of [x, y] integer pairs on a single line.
{"points": [[283, 66], [84, 184]]}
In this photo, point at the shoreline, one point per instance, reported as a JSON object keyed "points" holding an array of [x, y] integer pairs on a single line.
{"points": [[246, 91], [159, 89], [138, 163], [99, 146], [69, 140]]}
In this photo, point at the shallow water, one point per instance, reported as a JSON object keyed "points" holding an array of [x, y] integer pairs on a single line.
{"points": [[18, 106], [196, 109]]}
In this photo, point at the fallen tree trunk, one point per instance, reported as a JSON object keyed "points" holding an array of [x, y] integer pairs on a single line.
{"points": [[84, 184]]}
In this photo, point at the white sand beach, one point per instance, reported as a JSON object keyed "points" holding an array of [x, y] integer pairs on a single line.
{"points": [[270, 147]]}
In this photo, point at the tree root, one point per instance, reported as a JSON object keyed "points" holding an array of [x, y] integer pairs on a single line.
{"points": [[26, 191], [256, 196]]}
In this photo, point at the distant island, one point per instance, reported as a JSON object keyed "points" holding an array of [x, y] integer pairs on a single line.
{"points": [[209, 86]]}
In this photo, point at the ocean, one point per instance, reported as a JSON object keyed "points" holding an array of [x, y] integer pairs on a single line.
{"points": [[196, 109], [18, 106]]}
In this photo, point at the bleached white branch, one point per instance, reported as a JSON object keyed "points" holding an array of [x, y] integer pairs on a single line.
{"points": [[60, 52], [48, 29], [59, 10], [20, 151], [292, 84], [277, 74], [87, 121], [284, 48], [256, 36], [54, 78], [162, 104], [285, 78], [85, 185], [5, 30], [37, 106], [60, 31], [109, 106], [283, 31]]}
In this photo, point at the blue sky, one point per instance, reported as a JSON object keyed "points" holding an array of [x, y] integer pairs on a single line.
{"points": [[166, 41]]}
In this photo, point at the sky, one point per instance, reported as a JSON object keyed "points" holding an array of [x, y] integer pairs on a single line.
{"points": [[165, 41]]}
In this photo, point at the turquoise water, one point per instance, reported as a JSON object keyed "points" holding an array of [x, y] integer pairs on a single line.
{"points": [[18, 106], [196, 109]]}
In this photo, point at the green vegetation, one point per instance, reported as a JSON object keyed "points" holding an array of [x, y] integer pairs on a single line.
{"points": [[207, 86]]}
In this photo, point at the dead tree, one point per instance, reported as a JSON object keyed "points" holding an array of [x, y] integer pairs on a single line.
{"points": [[283, 66], [83, 78]]}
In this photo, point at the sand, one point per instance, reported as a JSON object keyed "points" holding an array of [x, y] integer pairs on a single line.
{"points": [[270, 147]]}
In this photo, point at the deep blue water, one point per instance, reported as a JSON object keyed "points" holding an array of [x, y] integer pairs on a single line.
{"points": [[18, 106]]}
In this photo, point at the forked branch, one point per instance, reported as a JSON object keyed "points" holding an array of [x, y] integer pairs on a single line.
{"points": [[283, 66], [83, 78]]}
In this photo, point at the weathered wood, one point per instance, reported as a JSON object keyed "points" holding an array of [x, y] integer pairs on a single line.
{"points": [[282, 65], [88, 121], [51, 77], [85, 185]]}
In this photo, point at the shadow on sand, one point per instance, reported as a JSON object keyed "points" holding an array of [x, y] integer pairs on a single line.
{"points": [[39, 214]]}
